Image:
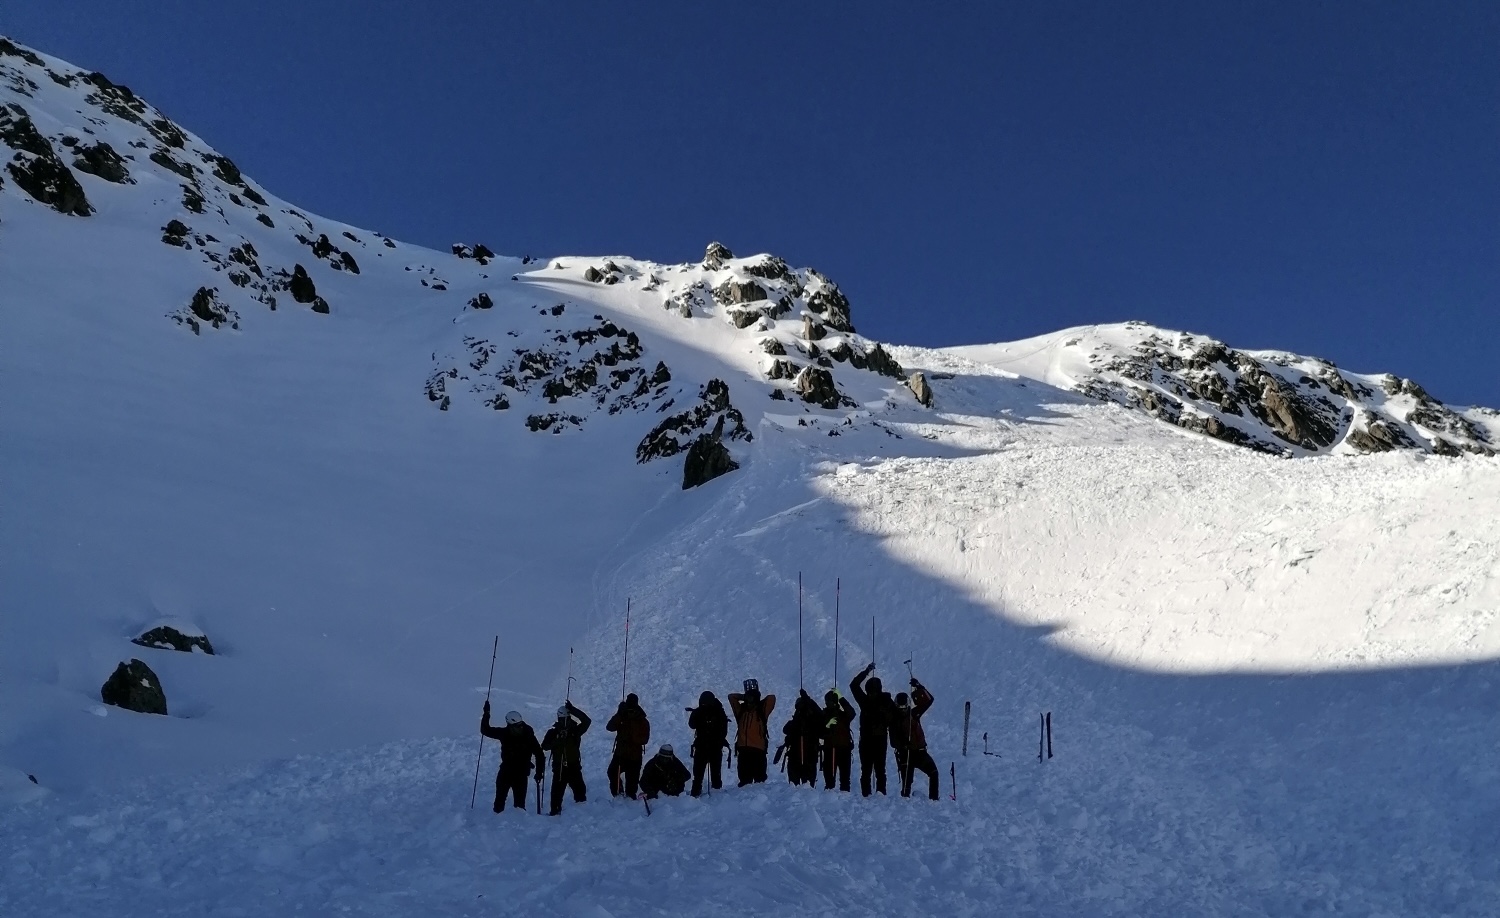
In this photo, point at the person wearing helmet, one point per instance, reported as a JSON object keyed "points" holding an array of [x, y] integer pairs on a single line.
{"points": [[876, 714], [632, 732], [910, 742], [710, 726], [838, 739], [752, 714], [518, 749], [564, 740], [664, 774]]}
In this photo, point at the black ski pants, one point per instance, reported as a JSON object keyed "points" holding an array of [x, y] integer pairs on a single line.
{"points": [[836, 762], [911, 761], [713, 763], [568, 776], [510, 780], [624, 773], [752, 765], [872, 759]]}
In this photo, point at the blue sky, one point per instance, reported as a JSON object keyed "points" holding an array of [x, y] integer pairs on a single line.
{"points": [[1319, 177]]}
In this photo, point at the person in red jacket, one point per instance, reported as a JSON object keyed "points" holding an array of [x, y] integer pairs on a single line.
{"points": [[910, 743], [518, 749], [632, 732]]}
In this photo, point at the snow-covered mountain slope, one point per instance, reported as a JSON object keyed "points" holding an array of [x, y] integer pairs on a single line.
{"points": [[1272, 680], [1271, 401]]}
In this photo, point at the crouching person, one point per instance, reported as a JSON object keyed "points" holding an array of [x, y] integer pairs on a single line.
{"points": [[664, 774]]}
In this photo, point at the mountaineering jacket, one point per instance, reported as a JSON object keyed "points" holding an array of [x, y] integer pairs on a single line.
{"points": [[664, 774], [633, 730], [908, 723], [518, 745], [876, 710], [752, 715], [564, 738], [837, 721], [710, 726]]}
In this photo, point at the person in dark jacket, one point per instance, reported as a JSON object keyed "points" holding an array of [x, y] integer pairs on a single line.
{"points": [[910, 742], [803, 738], [752, 715], [563, 740], [838, 739], [710, 726], [664, 774], [632, 732], [518, 749], [876, 714]]}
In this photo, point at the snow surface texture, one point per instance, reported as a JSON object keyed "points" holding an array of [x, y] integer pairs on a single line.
{"points": [[1272, 680]]}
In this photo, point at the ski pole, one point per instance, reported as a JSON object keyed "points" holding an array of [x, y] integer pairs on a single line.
{"points": [[872, 639], [1041, 736], [625, 667], [494, 648], [1049, 734], [800, 684], [953, 776], [966, 730], [568, 692], [836, 585]]}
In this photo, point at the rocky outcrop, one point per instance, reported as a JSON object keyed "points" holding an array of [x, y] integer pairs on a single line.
{"points": [[36, 167], [134, 687], [482, 301], [713, 413], [736, 293], [205, 309], [304, 291], [707, 459], [100, 159], [166, 637], [816, 386], [716, 255]]}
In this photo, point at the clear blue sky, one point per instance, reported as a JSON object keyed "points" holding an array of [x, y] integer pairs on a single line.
{"points": [[1320, 177]]}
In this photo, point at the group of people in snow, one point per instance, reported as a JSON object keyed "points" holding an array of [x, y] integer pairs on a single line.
{"points": [[816, 738]]}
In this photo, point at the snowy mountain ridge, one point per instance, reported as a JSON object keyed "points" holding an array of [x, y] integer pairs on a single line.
{"points": [[345, 463]]}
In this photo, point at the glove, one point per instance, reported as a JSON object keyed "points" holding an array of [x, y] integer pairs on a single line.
{"points": [[486, 709], [914, 682]]}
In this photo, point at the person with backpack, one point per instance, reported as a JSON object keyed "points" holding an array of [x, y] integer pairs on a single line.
{"points": [[838, 739], [564, 740], [632, 732], [710, 726], [876, 714], [518, 749], [803, 738], [910, 742], [752, 714], [664, 774]]}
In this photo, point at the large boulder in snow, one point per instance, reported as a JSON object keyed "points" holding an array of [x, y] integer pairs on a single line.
{"points": [[918, 384], [707, 459], [100, 159], [734, 293], [134, 687], [816, 385], [167, 637], [36, 168]]}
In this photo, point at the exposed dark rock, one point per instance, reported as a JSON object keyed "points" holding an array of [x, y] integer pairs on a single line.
{"points": [[115, 99], [262, 218], [830, 303], [732, 292], [348, 262], [134, 687], [919, 388], [225, 169], [205, 309], [302, 287], [783, 369], [707, 459], [192, 199], [744, 318], [812, 329], [770, 267], [816, 385], [11, 49], [320, 305], [164, 159], [773, 347], [175, 233], [880, 360], [252, 194], [715, 256], [101, 159], [165, 637], [712, 412], [37, 169], [482, 301], [1373, 435], [592, 275]]}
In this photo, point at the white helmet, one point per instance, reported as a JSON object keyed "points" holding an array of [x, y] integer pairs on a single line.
{"points": [[562, 712], [666, 749], [512, 717]]}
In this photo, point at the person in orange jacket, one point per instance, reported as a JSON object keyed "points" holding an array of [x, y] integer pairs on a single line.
{"points": [[752, 714]]}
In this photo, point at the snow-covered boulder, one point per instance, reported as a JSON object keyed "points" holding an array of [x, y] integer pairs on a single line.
{"points": [[134, 687], [172, 637]]}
